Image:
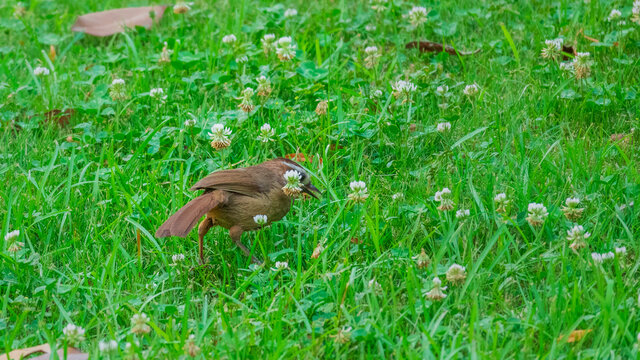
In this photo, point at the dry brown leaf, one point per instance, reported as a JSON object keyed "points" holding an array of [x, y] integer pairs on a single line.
{"points": [[52, 53], [569, 50], [109, 22], [575, 335], [45, 349], [61, 117], [430, 46], [300, 157]]}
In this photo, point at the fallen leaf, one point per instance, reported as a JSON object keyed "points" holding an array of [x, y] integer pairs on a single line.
{"points": [[45, 349], [300, 157], [109, 22], [52, 53], [430, 46], [61, 117], [574, 336], [569, 50]]}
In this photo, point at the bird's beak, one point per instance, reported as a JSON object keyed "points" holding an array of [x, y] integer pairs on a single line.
{"points": [[311, 190]]}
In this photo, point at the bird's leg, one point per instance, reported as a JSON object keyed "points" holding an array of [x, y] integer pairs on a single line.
{"points": [[236, 233], [203, 229]]}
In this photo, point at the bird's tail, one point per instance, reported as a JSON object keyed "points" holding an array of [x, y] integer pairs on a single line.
{"points": [[181, 223]]}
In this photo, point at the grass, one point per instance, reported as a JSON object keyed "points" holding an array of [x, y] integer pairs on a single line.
{"points": [[82, 194]]}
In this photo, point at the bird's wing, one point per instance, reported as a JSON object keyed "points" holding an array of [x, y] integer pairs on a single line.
{"points": [[245, 181], [181, 223]]}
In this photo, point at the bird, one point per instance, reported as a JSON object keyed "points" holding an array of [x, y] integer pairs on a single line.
{"points": [[232, 198]]}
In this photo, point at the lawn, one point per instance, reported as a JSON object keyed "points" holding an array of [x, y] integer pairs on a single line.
{"points": [[479, 202]]}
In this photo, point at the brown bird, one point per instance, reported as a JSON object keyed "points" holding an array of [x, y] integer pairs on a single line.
{"points": [[232, 198]]}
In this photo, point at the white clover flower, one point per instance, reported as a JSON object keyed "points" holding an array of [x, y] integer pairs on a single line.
{"points": [[403, 90], [289, 13], [190, 122], [12, 235], [597, 258], [374, 286], [264, 86], [397, 196], [260, 219], [322, 107], [229, 39], [537, 213], [635, 12], [417, 16], [107, 346], [266, 133], [220, 136], [246, 103], [73, 334], [280, 265], [268, 43], [165, 55], [293, 186], [15, 246], [19, 10], [285, 48], [471, 90], [317, 251], [378, 5], [436, 293], [371, 60], [582, 65], [371, 50], [501, 202], [422, 259], [242, 59], [463, 214], [359, 192], [456, 274], [377, 93], [181, 7], [139, 324], [553, 48], [615, 14], [577, 236], [566, 66], [269, 38], [443, 127], [118, 91], [190, 347], [343, 335], [177, 258], [442, 90], [158, 94], [444, 198], [622, 251], [40, 71]]}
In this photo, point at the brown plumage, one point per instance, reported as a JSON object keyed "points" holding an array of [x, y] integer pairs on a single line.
{"points": [[232, 198]]}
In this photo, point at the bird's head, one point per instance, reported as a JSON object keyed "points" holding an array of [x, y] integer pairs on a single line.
{"points": [[291, 168]]}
